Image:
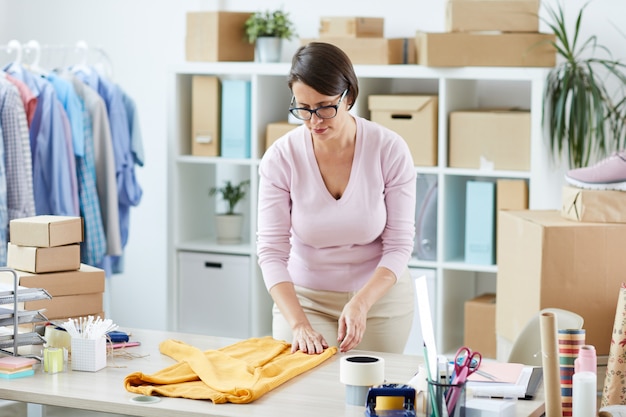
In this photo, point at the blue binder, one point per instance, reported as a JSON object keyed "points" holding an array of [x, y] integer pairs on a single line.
{"points": [[235, 119], [480, 223]]}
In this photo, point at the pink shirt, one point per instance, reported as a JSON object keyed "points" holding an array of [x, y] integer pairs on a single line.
{"points": [[308, 237]]}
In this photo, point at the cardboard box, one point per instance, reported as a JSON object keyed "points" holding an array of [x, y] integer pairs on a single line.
{"points": [[492, 15], [511, 194], [217, 36], [38, 260], [490, 139], [87, 279], [414, 117], [374, 51], [351, 27], [275, 130], [546, 261], [603, 206], [65, 306], [46, 231], [480, 325], [480, 219], [460, 49], [205, 115], [235, 119]]}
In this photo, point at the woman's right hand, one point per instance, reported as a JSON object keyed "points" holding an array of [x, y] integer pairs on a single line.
{"points": [[306, 339]]}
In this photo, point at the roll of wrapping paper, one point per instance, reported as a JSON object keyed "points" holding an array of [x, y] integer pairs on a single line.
{"points": [[550, 364], [612, 393], [570, 342]]}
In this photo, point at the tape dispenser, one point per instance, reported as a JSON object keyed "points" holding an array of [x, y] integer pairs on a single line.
{"points": [[390, 400]]}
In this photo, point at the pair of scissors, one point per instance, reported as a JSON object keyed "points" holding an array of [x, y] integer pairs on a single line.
{"points": [[466, 363]]}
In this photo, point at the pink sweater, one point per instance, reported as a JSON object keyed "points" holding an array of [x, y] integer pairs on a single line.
{"points": [[308, 237]]}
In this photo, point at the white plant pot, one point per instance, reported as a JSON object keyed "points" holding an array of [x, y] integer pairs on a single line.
{"points": [[229, 227], [268, 49]]}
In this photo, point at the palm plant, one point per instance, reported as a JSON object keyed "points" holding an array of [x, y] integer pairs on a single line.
{"points": [[580, 115]]}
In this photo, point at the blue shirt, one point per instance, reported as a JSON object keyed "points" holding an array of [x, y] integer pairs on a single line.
{"points": [[54, 170]]}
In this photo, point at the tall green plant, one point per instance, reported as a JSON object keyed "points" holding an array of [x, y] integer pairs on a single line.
{"points": [[581, 117]]}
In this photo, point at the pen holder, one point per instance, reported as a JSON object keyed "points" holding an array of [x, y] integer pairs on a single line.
{"points": [[89, 354], [445, 399]]}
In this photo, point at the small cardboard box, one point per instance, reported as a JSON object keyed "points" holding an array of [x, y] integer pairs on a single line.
{"points": [[46, 231], [490, 139], [37, 260], [88, 279], [492, 15], [374, 51], [480, 325], [414, 117], [602, 206], [66, 306], [461, 49], [217, 36], [275, 130], [205, 115], [545, 260], [351, 27]]}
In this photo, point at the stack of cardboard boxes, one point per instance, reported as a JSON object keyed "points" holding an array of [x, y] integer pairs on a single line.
{"points": [[45, 253], [570, 258], [488, 33], [362, 39]]}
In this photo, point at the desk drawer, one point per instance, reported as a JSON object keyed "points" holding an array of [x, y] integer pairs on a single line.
{"points": [[214, 294]]}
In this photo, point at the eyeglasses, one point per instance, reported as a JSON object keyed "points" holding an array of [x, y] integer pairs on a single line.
{"points": [[324, 112]]}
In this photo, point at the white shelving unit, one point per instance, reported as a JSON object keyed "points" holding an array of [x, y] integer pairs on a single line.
{"points": [[190, 223]]}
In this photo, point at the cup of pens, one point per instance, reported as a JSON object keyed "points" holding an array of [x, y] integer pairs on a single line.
{"points": [[88, 341], [445, 399]]}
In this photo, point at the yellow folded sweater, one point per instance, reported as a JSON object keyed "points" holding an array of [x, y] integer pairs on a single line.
{"points": [[238, 373]]}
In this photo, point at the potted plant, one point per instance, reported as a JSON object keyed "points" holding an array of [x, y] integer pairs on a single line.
{"points": [[267, 29], [229, 224], [584, 98]]}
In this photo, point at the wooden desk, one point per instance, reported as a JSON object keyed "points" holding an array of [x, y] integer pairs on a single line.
{"points": [[316, 393]]}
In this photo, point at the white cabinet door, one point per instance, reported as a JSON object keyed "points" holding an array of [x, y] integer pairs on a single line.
{"points": [[214, 294]]}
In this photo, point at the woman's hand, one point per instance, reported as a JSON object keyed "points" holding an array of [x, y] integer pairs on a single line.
{"points": [[352, 324], [306, 339]]}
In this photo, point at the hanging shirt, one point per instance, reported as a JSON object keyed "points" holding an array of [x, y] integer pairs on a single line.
{"points": [[93, 246], [17, 158], [129, 191], [54, 170], [28, 98]]}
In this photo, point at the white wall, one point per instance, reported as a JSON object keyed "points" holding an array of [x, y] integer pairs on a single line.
{"points": [[144, 38]]}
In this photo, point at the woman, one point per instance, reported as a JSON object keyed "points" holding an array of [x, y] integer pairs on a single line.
{"points": [[336, 217]]}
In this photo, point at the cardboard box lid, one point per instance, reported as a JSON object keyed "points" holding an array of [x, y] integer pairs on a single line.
{"points": [[405, 102]]}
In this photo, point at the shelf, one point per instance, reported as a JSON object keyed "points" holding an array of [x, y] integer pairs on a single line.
{"points": [[190, 210]]}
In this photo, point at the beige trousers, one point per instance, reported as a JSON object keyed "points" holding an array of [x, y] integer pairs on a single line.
{"points": [[388, 321]]}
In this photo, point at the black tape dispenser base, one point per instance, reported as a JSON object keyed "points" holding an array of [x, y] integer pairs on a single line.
{"points": [[406, 393]]}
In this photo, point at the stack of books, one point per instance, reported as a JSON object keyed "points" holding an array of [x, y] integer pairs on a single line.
{"points": [[16, 367]]}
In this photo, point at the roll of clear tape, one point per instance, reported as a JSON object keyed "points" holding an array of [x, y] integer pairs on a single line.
{"points": [[359, 374]]}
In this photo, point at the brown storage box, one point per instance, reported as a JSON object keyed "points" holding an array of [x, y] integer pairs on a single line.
{"points": [[511, 194], [86, 280], [480, 325], [602, 206], [66, 306], [492, 15], [217, 36], [205, 115], [46, 231], [38, 260], [480, 138], [275, 130], [351, 27], [414, 117], [373, 51], [546, 261], [459, 49]]}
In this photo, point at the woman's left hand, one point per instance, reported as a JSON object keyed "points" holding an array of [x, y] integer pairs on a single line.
{"points": [[352, 323]]}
